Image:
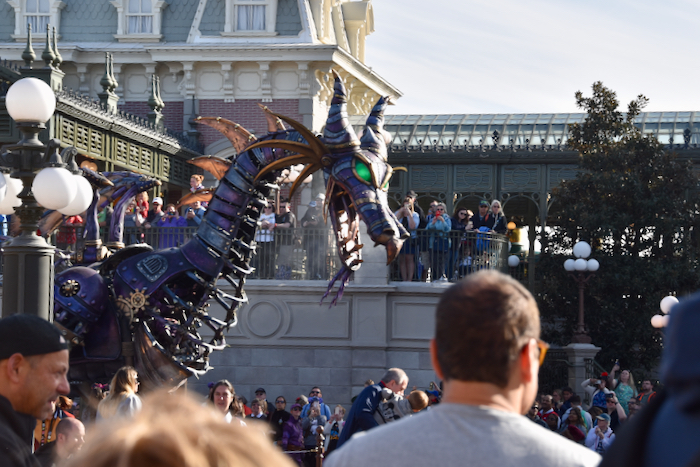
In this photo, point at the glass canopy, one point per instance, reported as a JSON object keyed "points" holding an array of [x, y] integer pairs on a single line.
{"points": [[520, 130]]}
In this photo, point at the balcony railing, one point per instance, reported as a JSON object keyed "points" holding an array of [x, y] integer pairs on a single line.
{"points": [[311, 254], [430, 257]]}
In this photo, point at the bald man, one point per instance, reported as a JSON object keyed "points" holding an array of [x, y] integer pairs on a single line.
{"points": [[70, 436]]}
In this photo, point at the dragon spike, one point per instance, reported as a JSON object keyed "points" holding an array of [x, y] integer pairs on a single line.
{"points": [[316, 145], [203, 194], [285, 162], [308, 170], [216, 166], [338, 135], [240, 137], [274, 123]]}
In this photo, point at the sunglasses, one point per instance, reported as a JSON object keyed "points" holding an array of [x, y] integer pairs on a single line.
{"points": [[484, 206], [280, 402], [315, 392]]}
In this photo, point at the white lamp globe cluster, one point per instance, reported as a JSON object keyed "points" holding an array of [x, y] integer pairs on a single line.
{"points": [[31, 100], [582, 250], [666, 305]]}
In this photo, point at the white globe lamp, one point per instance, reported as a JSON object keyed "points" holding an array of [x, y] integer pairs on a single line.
{"points": [[82, 199], [582, 250], [30, 100], [54, 188]]}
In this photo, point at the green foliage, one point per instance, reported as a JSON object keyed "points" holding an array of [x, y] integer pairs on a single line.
{"points": [[632, 202]]}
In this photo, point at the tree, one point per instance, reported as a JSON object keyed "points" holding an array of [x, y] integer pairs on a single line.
{"points": [[634, 203]]}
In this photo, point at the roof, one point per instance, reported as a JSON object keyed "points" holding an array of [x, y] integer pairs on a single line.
{"points": [[521, 130]]}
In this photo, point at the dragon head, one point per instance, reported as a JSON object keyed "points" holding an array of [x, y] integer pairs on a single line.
{"points": [[357, 178]]}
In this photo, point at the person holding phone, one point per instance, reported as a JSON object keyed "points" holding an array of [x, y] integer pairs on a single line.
{"points": [[171, 224], [439, 224], [596, 387]]}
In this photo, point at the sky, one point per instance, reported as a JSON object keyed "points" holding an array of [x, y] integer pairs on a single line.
{"points": [[531, 56]]}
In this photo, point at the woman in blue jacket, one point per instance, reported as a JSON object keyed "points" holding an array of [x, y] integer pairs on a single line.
{"points": [[439, 226]]}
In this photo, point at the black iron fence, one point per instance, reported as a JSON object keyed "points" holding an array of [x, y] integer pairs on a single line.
{"points": [[554, 373], [311, 254]]}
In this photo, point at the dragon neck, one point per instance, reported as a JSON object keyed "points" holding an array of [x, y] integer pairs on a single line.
{"points": [[229, 224]]}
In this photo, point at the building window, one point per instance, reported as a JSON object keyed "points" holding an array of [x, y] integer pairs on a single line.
{"points": [[140, 17], [38, 13], [250, 17], [139, 20]]}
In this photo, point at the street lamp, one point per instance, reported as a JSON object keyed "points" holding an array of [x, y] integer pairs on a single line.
{"points": [[579, 268], [39, 179], [666, 305]]}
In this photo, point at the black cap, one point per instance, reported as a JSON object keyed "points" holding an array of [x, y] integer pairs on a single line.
{"points": [[412, 194], [29, 335], [260, 390]]}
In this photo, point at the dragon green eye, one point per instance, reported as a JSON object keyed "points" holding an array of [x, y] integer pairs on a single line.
{"points": [[363, 171]]}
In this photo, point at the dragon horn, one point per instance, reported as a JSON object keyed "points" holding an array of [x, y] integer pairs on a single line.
{"points": [[274, 123], [338, 135], [375, 120], [308, 170], [240, 137]]}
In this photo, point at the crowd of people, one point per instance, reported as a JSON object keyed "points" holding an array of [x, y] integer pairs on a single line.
{"points": [[613, 402], [444, 247]]}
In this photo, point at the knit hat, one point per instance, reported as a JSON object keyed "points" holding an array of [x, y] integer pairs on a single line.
{"points": [[29, 335]]}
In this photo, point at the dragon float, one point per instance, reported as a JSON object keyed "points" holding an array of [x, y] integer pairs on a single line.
{"points": [[143, 306]]}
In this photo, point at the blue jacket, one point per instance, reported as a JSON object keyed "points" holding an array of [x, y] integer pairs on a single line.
{"points": [[361, 414], [439, 232]]}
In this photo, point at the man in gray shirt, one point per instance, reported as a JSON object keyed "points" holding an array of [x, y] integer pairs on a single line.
{"points": [[487, 351]]}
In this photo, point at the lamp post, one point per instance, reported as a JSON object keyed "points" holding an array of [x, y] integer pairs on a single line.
{"points": [[38, 180], [581, 270], [666, 305]]}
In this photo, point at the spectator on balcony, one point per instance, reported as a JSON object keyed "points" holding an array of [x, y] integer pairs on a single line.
{"points": [[132, 221], [142, 204], [284, 237], [483, 218], [439, 226], [315, 239], [498, 222], [66, 237], [196, 184], [194, 213], [156, 212], [461, 224], [171, 234], [424, 244], [104, 217], [411, 197], [410, 219], [624, 387], [264, 261]]}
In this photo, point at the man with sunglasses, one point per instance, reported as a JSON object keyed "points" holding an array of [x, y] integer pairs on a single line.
{"points": [[488, 352], [278, 418], [318, 399]]}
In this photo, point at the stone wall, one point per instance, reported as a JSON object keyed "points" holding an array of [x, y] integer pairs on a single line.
{"points": [[286, 342]]}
